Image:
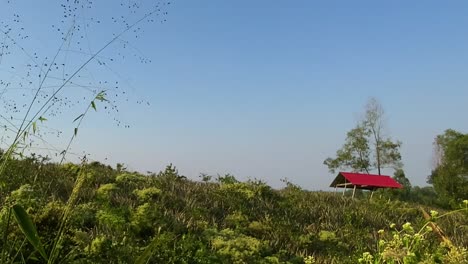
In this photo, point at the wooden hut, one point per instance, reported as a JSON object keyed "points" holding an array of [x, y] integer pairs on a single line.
{"points": [[370, 182]]}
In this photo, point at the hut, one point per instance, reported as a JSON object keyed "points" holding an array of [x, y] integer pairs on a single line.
{"points": [[370, 182]]}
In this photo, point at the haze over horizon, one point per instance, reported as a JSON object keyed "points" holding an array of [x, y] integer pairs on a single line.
{"points": [[266, 90]]}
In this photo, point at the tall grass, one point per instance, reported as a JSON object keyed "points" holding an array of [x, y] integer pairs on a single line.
{"points": [[35, 115]]}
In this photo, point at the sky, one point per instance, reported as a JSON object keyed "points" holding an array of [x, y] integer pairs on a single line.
{"points": [[268, 89]]}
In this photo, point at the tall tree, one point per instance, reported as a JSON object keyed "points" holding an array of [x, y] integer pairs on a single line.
{"points": [[366, 147], [386, 152], [450, 175], [373, 121], [354, 154]]}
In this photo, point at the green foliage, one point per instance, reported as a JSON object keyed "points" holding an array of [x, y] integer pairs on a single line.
{"points": [[147, 194], [120, 216], [355, 153], [407, 193], [111, 219], [400, 177], [450, 176], [406, 245], [25, 196], [144, 218], [129, 180], [29, 230], [236, 248], [107, 191], [366, 148], [49, 193]]}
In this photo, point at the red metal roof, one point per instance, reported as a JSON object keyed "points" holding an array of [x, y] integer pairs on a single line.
{"points": [[365, 181]]}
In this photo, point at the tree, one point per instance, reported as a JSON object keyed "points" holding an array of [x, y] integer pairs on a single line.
{"points": [[405, 193], [354, 154], [450, 175], [373, 121], [366, 147], [400, 177]]}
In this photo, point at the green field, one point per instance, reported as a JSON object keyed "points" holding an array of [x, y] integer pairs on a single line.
{"points": [[117, 216]]}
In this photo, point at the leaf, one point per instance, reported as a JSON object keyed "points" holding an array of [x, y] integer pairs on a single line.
{"points": [[28, 229], [101, 96], [93, 105], [80, 116], [75, 131], [34, 126], [146, 255], [42, 119]]}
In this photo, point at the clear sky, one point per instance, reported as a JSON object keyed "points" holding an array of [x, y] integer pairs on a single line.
{"points": [[268, 89]]}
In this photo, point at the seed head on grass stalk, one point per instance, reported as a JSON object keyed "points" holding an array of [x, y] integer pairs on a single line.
{"points": [[29, 122], [67, 212]]}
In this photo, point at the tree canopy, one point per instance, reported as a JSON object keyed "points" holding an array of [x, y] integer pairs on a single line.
{"points": [[366, 147], [450, 175]]}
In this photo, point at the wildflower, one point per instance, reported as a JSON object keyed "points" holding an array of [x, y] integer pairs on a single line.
{"points": [[428, 229], [434, 213], [366, 258], [392, 225], [309, 260], [381, 243], [407, 227], [418, 237], [380, 232]]}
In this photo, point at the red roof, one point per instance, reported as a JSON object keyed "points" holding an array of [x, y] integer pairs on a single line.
{"points": [[364, 181]]}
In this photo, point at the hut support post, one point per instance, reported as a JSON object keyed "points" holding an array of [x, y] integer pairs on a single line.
{"points": [[354, 190], [344, 188]]}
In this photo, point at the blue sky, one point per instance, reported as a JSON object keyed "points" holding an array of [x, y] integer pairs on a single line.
{"points": [[268, 89]]}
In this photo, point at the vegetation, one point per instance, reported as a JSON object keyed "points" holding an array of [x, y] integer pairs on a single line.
{"points": [[59, 212], [450, 176], [366, 147], [119, 216], [405, 245]]}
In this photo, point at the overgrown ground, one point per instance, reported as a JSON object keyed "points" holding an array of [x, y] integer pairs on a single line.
{"points": [[119, 214]]}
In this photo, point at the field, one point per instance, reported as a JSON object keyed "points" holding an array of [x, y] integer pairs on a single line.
{"points": [[255, 87], [116, 216]]}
